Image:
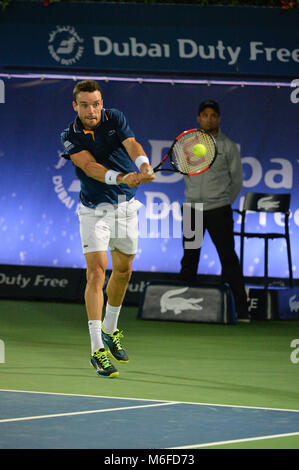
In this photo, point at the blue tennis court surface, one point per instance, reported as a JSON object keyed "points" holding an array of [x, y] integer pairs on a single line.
{"points": [[31, 420]]}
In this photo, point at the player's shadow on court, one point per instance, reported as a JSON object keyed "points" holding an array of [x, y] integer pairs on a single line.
{"points": [[144, 377], [209, 384]]}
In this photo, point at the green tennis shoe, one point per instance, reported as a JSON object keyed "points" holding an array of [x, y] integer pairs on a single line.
{"points": [[113, 344], [101, 362]]}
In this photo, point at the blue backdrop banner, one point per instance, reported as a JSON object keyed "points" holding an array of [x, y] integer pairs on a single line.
{"points": [[158, 38], [39, 190]]}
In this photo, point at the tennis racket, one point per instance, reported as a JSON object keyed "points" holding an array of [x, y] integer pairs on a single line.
{"points": [[182, 153]]}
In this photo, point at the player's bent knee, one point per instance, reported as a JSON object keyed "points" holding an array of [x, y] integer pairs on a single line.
{"points": [[96, 275], [124, 275]]}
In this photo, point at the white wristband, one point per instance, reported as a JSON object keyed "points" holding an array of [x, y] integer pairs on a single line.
{"points": [[140, 160], [110, 176]]}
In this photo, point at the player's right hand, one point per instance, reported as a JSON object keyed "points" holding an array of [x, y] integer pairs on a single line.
{"points": [[146, 174], [131, 179]]}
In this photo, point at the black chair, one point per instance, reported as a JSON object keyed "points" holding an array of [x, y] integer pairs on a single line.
{"points": [[263, 202]]}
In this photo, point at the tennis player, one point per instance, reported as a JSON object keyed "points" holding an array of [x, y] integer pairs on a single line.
{"points": [[106, 155]]}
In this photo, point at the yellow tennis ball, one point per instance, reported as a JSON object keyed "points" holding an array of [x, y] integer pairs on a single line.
{"points": [[199, 149]]}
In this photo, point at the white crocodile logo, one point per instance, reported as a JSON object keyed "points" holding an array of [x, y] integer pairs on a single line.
{"points": [[294, 304], [178, 304], [267, 203]]}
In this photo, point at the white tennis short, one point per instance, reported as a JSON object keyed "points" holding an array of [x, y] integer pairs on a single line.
{"points": [[110, 225]]}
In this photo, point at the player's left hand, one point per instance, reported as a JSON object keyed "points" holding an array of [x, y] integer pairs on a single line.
{"points": [[131, 179]]}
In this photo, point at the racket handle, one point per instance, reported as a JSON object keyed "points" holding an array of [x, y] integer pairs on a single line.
{"points": [[150, 172]]}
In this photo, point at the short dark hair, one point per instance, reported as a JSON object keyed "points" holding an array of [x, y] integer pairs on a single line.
{"points": [[209, 104], [86, 85]]}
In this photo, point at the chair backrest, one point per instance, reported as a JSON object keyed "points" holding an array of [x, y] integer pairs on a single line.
{"points": [[264, 202]]}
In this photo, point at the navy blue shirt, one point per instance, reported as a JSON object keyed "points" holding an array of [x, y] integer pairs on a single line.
{"points": [[105, 144]]}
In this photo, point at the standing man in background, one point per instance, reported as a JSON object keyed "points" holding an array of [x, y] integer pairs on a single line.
{"points": [[217, 188], [105, 155]]}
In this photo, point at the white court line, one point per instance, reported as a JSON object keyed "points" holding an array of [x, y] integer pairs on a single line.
{"points": [[151, 400], [234, 441], [75, 413], [81, 395]]}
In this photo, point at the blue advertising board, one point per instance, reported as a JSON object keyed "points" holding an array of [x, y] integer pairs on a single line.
{"points": [[39, 190], [185, 39]]}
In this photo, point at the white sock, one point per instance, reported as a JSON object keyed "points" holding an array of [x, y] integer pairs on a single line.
{"points": [[95, 332], [111, 318]]}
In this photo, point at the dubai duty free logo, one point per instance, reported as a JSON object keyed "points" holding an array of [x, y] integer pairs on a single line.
{"points": [[65, 45], [65, 185]]}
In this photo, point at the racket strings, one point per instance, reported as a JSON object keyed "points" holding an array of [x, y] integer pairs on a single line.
{"points": [[184, 158]]}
